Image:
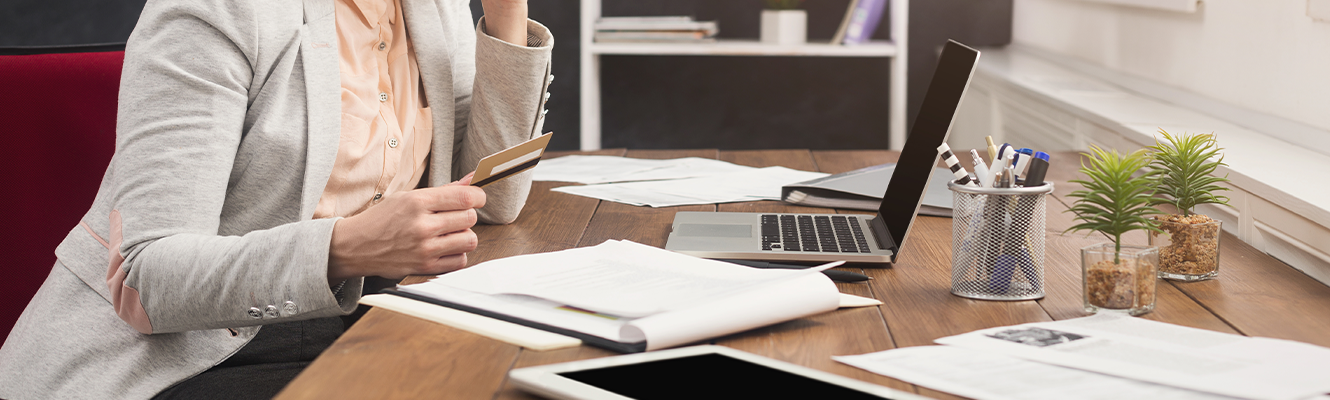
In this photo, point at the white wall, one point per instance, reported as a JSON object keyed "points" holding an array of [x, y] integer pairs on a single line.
{"points": [[1264, 55]]}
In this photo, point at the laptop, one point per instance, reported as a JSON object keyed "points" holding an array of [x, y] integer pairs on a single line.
{"points": [[835, 237]]}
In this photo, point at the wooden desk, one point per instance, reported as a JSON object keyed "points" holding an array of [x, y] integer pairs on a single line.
{"points": [[390, 355]]}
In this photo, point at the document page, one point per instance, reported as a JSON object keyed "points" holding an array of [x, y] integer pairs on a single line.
{"points": [[1140, 349], [991, 376], [607, 169], [750, 185], [629, 292], [616, 277]]}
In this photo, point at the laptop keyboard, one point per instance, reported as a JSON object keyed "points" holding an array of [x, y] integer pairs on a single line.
{"points": [[818, 233]]}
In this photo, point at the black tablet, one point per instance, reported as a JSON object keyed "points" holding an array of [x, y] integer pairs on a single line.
{"points": [[692, 372]]}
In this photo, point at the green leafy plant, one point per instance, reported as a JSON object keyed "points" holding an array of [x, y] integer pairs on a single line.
{"points": [[1116, 200], [1184, 166], [783, 4]]}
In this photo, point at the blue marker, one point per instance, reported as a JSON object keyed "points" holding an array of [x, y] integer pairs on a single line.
{"points": [[1023, 157]]}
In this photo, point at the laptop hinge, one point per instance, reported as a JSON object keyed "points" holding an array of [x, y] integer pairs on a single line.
{"points": [[882, 234]]}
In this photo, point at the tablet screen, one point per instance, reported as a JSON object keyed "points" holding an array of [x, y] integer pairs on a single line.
{"points": [[708, 376]]}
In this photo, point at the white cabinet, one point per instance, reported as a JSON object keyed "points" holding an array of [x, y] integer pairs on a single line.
{"points": [[895, 49]]}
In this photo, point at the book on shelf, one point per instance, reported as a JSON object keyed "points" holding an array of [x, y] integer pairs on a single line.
{"points": [[654, 29], [862, 189], [629, 297], [861, 20], [652, 36]]}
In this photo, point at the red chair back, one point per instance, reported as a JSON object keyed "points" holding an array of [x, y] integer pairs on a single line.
{"points": [[57, 123]]}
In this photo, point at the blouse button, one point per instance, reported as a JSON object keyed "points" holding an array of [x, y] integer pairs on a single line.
{"points": [[383, 96], [392, 143]]}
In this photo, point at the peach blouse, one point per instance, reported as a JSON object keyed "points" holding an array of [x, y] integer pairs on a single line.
{"points": [[386, 126]]}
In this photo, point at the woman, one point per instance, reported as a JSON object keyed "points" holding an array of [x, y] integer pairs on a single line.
{"points": [[270, 154]]}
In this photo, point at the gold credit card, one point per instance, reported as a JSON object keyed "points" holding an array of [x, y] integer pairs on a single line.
{"points": [[506, 163]]}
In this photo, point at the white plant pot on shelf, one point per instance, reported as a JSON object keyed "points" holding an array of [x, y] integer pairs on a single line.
{"points": [[784, 27]]}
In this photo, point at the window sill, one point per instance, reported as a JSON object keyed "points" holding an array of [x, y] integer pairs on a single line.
{"points": [[1281, 191]]}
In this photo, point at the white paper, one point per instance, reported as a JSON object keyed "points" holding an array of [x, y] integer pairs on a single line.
{"points": [[1140, 349], [606, 169], [990, 376], [619, 278], [680, 299], [806, 295], [750, 185]]}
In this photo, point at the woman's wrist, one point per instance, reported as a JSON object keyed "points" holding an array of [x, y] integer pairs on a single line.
{"points": [[506, 20]]}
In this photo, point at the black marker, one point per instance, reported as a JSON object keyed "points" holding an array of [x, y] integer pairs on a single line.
{"points": [[1038, 167]]}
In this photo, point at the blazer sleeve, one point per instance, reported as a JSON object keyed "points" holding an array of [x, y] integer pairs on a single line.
{"points": [[507, 107], [184, 96]]}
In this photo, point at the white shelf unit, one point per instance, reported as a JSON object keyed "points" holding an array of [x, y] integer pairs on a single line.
{"points": [[895, 50]]}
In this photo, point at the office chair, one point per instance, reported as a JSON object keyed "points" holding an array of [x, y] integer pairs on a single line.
{"points": [[57, 128]]}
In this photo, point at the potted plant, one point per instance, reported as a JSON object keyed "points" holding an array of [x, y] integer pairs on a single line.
{"points": [[1115, 201], [1188, 242], [783, 23]]}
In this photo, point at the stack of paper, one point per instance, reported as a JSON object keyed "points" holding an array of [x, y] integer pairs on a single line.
{"points": [[754, 185], [610, 169], [1109, 356], [667, 183], [631, 297], [671, 29]]}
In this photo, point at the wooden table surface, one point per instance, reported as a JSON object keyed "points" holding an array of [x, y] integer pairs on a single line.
{"points": [[390, 355]]}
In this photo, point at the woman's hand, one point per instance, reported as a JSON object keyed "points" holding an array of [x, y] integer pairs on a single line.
{"points": [[506, 20], [421, 232]]}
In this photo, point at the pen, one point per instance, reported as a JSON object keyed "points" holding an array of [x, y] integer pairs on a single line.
{"points": [[992, 149], [980, 170], [1022, 160], [962, 176], [1038, 167], [1001, 163]]}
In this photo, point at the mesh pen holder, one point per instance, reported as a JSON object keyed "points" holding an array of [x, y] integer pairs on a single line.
{"points": [[997, 242]]}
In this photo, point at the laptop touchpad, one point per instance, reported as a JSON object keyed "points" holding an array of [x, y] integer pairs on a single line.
{"points": [[716, 230]]}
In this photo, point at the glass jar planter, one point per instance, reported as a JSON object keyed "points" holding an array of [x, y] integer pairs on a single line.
{"points": [[1123, 284], [1189, 248]]}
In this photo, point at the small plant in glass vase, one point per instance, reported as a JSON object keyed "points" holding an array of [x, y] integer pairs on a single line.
{"points": [[1117, 200], [1188, 242]]}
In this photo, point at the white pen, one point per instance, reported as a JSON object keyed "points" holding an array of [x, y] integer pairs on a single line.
{"points": [[1001, 163], [981, 170]]}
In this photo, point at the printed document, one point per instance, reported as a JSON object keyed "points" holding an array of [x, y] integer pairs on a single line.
{"points": [[986, 375], [631, 293], [748, 185], [607, 169], [1144, 350]]}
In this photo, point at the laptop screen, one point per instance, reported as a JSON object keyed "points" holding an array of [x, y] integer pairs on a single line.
{"points": [[930, 129]]}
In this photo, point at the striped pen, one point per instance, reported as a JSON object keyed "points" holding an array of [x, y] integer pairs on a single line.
{"points": [[962, 176]]}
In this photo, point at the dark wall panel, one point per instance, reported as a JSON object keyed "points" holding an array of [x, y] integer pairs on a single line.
{"points": [[66, 22], [744, 102]]}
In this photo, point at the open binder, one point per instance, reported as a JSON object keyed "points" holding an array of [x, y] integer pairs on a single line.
{"points": [[627, 297]]}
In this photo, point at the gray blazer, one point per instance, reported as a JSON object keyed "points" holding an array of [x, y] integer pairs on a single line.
{"points": [[227, 131]]}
